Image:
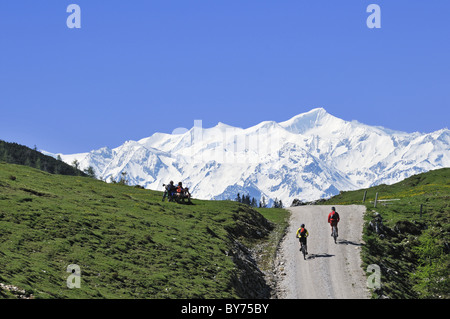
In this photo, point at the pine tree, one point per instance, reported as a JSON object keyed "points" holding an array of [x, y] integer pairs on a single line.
{"points": [[123, 179], [76, 164], [247, 199], [3, 154], [90, 172], [276, 203]]}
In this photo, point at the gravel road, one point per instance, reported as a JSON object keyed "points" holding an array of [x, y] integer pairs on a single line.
{"points": [[331, 271]]}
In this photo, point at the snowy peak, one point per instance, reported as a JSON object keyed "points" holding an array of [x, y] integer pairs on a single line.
{"points": [[314, 119], [310, 156]]}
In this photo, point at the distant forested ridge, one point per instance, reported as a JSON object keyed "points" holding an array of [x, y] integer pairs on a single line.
{"points": [[14, 153]]}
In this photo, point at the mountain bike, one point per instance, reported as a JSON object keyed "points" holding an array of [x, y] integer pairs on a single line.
{"points": [[334, 233], [303, 250]]}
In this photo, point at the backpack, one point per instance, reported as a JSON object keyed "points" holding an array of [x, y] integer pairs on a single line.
{"points": [[334, 216], [303, 233]]}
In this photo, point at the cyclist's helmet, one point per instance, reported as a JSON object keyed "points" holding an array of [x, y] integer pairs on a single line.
{"points": [[302, 225]]}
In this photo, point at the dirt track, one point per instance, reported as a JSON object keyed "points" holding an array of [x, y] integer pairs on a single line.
{"points": [[330, 270]]}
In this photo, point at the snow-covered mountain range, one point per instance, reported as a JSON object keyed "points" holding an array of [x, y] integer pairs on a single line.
{"points": [[313, 155]]}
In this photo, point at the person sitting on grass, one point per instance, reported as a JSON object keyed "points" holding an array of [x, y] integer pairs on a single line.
{"points": [[169, 191], [182, 193]]}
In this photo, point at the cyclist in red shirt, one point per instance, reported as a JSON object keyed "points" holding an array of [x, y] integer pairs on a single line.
{"points": [[333, 219]]}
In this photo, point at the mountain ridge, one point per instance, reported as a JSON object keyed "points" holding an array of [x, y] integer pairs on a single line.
{"points": [[310, 156]]}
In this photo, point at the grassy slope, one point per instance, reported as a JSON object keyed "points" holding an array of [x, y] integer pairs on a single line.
{"points": [[127, 242], [412, 251]]}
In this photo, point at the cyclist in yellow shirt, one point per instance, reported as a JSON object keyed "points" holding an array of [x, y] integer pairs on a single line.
{"points": [[302, 234]]}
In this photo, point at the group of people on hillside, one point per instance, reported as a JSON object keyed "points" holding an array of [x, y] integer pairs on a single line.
{"points": [[176, 193], [302, 233]]}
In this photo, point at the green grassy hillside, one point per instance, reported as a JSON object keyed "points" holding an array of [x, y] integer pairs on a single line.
{"points": [[411, 248], [14, 153], [127, 243]]}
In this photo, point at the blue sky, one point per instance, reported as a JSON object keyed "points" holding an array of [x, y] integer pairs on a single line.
{"points": [[140, 67]]}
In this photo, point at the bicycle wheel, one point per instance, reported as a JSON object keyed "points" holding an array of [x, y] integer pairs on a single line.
{"points": [[334, 234]]}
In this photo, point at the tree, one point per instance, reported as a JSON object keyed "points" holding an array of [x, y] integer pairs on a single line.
{"points": [[123, 179], [76, 164], [3, 154], [263, 203], [38, 163], [246, 199], [277, 203], [238, 198], [90, 172]]}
